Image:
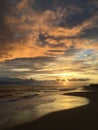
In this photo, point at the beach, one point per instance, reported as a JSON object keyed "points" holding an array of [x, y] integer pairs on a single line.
{"points": [[48, 64], [80, 118]]}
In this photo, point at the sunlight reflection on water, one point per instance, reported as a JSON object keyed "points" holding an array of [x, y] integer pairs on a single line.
{"points": [[62, 102]]}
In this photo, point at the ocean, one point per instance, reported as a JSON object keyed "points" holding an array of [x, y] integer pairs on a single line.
{"points": [[22, 104]]}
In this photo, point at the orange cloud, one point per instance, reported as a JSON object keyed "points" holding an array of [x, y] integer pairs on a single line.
{"points": [[33, 33]]}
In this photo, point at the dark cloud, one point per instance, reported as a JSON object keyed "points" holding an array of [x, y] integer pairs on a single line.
{"points": [[42, 39], [19, 81], [57, 45], [27, 62], [79, 79], [89, 33], [10, 22], [87, 11], [56, 51], [71, 51], [24, 66], [44, 4]]}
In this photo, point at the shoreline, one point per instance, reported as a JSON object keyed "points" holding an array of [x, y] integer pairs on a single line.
{"points": [[80, 118]]}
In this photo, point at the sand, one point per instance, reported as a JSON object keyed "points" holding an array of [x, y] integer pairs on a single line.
{"points": [[80, 118]]}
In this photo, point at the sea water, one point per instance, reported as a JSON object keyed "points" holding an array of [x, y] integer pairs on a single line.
{"points": [[19, 105]]}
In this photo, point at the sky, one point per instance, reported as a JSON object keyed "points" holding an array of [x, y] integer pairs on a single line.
{"points": [[54, 40]]}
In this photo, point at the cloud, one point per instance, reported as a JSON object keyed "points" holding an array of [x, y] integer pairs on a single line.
{"points": [[19, 81], [27, 62], [78, 79], [43, 38], [26, 26], [50, 67], [22, 67]]}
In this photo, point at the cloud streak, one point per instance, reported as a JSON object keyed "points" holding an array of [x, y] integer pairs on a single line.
{"points": [[48, 37], [28, 25]]}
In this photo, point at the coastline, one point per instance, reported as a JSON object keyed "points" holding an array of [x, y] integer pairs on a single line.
{"points": [[80, 118]]}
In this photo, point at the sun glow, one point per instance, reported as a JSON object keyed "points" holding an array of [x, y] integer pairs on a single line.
{"points": [[71, 74]]}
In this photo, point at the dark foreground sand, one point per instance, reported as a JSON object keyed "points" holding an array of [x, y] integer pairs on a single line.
{"points": [[81, 118]]}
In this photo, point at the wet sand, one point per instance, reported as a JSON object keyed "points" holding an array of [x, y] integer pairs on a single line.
{"points": [[80, 118]]}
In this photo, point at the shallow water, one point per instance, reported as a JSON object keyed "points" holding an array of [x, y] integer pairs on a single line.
{"points": [[28, 106]]}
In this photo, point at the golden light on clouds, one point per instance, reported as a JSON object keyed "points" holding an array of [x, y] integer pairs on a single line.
{"points": [[20, 70], [49, 40]]}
